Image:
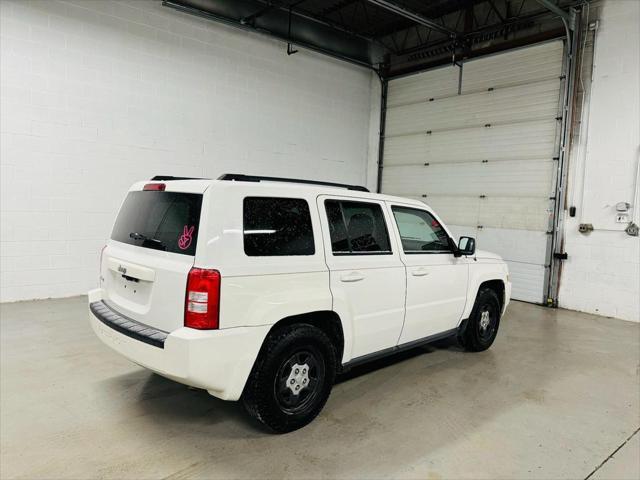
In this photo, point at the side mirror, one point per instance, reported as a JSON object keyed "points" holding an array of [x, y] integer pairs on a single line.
{"points": [[467, 245]]}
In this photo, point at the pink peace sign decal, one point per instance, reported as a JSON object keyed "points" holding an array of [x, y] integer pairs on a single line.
{"points": [[185, 239]]}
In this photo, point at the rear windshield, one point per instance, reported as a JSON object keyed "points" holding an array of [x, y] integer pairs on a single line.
{"points": [[166, 221]]}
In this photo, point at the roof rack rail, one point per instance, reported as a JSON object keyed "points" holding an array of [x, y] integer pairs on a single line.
{"points": [[166, 178], [239, 177]]}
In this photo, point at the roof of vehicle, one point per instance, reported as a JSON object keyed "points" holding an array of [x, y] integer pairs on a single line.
{"points": [[259, 183]]}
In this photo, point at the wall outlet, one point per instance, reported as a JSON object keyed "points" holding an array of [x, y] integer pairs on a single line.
{"points": [[622, 218]]}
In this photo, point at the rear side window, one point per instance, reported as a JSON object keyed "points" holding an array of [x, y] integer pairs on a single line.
{"points": [[277, 227], [166, 221], [357, 228]]}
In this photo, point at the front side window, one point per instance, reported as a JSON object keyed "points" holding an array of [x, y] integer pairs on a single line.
{"points": [[357, 227], [277, 227], [420, 232]]}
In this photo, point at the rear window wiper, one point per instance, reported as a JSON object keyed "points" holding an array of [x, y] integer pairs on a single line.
{"points": [[148, 242]]}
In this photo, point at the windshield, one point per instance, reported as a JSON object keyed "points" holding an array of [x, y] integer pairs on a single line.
{"points": [[166, 221]]}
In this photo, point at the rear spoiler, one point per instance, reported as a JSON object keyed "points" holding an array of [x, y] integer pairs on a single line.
{"points": [[168, 178]]}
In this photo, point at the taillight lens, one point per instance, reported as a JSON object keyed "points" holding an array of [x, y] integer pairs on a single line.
{"points": [[202, 302]]}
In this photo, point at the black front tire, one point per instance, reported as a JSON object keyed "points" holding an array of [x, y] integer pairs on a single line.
{"points": [[481, 328], [270, 399]]}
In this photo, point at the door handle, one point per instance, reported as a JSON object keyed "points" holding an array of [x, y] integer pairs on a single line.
{"points": [[352, 277], [420, 272]]}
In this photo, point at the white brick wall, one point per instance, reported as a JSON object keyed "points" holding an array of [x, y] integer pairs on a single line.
{"points": [[602, 273], [97, 94]]}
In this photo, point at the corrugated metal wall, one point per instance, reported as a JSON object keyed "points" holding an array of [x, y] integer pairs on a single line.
{"points": [[483, 158]]}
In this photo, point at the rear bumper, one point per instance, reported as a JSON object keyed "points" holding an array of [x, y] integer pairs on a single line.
{"points": [[127, 326], [218, 361]]}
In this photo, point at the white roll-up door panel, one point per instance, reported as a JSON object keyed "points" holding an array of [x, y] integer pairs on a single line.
{"points": [[516, 67], [407, 90], [500, 142], [507, 105], [483, 158]]}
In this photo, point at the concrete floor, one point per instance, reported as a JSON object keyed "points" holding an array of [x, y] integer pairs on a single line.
{"points": [[555, 397]]}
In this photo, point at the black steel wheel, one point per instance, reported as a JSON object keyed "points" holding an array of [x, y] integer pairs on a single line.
{"points": [[487, 324], [482, 326], [298, 380], [292, 378]]}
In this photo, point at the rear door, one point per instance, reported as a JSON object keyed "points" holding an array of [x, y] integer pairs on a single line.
{"points": [[367, 278], [151, 250]]}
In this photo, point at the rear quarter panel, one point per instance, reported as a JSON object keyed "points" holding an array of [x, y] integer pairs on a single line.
{"points": [[260, 290]]}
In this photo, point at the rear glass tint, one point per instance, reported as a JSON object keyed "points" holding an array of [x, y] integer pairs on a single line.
{"points": [[166, 221], [277, 226], [357, 228]]}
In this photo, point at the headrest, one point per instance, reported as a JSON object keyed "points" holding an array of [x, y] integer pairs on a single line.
{"points": [[360, 225]]}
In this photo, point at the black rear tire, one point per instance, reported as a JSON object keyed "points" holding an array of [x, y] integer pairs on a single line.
{"points": [[291, 379], [482, 326]]}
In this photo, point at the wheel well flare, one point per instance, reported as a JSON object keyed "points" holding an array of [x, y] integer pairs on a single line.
{"points": [[497, 286], [326, 320]]}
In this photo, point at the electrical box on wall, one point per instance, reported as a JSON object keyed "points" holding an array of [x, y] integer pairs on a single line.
{"points": [[622, 212], [622, 206]]}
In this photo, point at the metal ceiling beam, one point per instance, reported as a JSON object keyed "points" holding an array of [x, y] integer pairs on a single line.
{"points": [[271, 19], [314, 18], [270, 5], [253, 16], [549, 5], [495, 9], [406, 65], [440, 12], [413, 16], [337, 7]]}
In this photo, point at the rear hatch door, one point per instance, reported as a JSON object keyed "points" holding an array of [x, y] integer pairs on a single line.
{"points": [[152, 248]]}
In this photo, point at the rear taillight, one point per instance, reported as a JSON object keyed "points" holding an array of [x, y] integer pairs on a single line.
{"points": [[157, 187], [202, 302]]}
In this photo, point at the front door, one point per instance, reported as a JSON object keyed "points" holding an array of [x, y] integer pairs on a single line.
{"points": [[436, 280], [367, 277]]}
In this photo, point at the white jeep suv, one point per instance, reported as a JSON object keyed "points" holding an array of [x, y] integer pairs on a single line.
{"points": [[262, 288]]}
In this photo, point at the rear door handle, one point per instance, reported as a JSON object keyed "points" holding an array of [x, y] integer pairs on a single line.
{"points": [[352, 277], [131, 270], [420, 272]]}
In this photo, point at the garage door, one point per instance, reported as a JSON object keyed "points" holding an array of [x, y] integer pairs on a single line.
{"points": [[481, 149]]}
